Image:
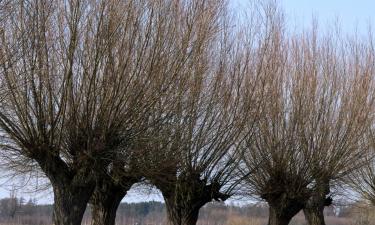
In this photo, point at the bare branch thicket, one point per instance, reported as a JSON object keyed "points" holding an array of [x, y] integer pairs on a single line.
{"points": [[335, 130], [362, 179], [316, 112], [179, 32], [206, 128], [80, 79], [5, 6], [280, 167]]}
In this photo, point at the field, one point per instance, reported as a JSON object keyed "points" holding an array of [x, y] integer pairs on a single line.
{"points": [[154, 213]]}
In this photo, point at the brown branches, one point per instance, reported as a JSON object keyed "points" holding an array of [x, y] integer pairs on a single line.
{"points": [[101, 94], [80, 87], [318, 105]]}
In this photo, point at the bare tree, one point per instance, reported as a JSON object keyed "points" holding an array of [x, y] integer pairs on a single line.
{"points": [[79, 80], [281, 168], [180, 33], [335, 129], [204, 133], [10, 206], [316, 111]]}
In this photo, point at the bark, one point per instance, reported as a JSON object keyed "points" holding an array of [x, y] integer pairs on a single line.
{"points": [[283, 207], [277, 217], [314, 209], [70, 204], [314, 215], [182, 212], [105, 201], [186, 196], [72, 189]]}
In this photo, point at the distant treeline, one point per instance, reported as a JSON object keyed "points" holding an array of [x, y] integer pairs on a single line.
{"points": [[22, 211]]}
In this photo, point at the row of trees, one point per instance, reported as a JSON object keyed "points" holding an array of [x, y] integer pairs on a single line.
{"points": [[100, 95]]}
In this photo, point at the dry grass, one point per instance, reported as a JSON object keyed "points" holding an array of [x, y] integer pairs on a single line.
{"points": [[239, 220], [363, 215]]}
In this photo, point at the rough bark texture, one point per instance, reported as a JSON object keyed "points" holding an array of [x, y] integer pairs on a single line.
{"points": [[106, 199], [72, 189], [70, 204], [280, 213], [182, 213], [186, 196], [314, 209], [283, 207], [314, 215], [277, 217]]}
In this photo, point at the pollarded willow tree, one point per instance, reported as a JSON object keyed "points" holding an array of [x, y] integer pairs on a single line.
{"points": [[280, 166], [204, 133], [310, 133], [341, 112], [80, 80], [174, 33]]}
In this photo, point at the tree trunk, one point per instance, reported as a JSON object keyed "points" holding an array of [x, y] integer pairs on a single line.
{"points": [[186, 195], [277, 217], [182, 213], [70, 204], [72, 191], [314, 216], [105, 201], [314, 209], [283, 207]]}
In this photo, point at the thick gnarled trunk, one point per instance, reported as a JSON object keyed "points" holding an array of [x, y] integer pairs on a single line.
{"points": [[314, 216], [182, 212], [72, 190], [314, 208], [70, 204], [277, 217], [105, 201], [283, 207], [186, 196]]}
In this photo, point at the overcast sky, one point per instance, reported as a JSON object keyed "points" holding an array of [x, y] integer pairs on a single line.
{"points": [[350, 13]]}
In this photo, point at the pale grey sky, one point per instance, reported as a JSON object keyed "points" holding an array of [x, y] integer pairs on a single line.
{"points": [[350, 13]]}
